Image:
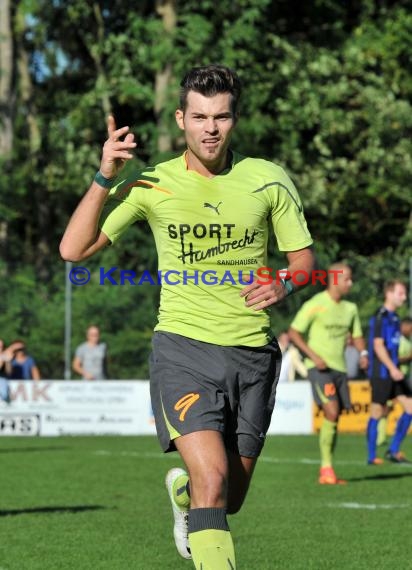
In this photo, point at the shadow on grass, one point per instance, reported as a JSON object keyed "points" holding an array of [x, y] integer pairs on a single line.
{"points": [[47, 510], [33, 449], [380, 477]]}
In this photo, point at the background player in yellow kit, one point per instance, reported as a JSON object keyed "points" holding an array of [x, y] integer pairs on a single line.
{"points": [[325, 320]]}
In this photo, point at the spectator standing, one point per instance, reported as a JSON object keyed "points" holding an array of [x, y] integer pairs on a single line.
{"points": [[90, 359], [352, 357]]}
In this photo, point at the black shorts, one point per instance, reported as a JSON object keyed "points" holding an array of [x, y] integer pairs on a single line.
{"points": [[198, 386], [388, 389], [330, 385]]}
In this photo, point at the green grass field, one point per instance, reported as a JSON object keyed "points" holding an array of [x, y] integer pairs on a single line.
{"points": [[100, 503]]}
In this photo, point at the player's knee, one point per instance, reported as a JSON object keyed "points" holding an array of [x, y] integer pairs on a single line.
{"points": [[377, 411], [210, 488], [332, 416]]}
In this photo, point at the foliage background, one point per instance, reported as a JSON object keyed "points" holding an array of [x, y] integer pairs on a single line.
{"points": [[327, 94]]}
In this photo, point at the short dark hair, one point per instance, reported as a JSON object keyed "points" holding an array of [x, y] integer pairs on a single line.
{"points": [[390, 285], [209, 80]]}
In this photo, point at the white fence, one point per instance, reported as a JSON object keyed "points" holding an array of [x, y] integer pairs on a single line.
{"points": [[117, 407]]}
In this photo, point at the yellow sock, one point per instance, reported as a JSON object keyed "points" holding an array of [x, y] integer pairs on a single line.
{"points": [[212, 550], [382, 425], [327, 440]]}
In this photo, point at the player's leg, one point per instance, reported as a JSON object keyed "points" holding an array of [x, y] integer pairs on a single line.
{"points": [[337, 391], [240, 474], [381, 393], [251, 395], [327, 442], [383, 425], [376, 413], [250, 386], [210, 540], [394, 453], [328, 432], [188, 385], [325, 394]]}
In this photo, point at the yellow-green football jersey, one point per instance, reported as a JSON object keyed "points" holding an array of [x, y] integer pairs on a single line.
{"points": [[405, 349], [326, 323], [209, 229]]}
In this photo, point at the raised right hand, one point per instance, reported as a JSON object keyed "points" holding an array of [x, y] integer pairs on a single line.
{"points": [[116, 151]]}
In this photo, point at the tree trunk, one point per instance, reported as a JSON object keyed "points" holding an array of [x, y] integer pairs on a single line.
{"points": [[6, 107], [97, 58], [41, 215], [6, 79], [167, 10]]}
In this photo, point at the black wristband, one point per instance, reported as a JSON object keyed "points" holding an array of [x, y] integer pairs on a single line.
{"points": [[102, 181], [288, 285]]}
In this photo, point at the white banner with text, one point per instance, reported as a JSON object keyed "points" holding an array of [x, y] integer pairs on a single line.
{"points": [[118, 407]]}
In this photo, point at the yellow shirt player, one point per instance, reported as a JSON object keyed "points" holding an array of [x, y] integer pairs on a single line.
{"points": [[320, 330], [214, 364]]}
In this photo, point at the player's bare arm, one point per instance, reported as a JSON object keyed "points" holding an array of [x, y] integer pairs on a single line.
{"points": [[82, 237], [359, 343], [259, 296], [383, 355], [298, 340], [78, 368]]}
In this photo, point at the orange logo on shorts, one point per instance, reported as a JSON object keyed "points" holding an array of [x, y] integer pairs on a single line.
{"points": [[330, 389], [185, 403]]}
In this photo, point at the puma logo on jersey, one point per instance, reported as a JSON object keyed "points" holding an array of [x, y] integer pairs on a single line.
{"points": [[215, 208]]}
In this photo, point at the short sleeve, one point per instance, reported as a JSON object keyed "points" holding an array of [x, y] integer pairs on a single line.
{"points": [[376, 326], [288, 219], [79, 353], [356, 325], [125, 204], [116, 217]]}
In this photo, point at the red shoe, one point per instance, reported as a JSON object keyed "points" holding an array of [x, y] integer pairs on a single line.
{"points": [[327, 476], [376, 461]]}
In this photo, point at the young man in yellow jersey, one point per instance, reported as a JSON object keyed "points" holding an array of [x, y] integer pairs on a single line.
{"points": [[320, 330], [214, 363]]}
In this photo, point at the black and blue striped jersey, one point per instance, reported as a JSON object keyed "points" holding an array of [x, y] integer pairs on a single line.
{"points": [[384, 324]]}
